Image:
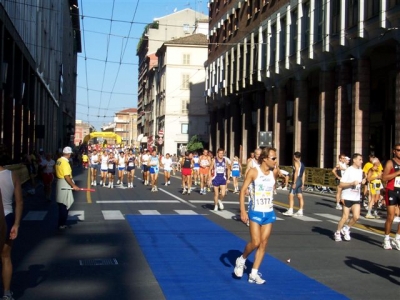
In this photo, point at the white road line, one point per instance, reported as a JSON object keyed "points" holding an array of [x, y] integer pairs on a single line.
{"points": [[179, 199], [224, 214], [360, 229], [137, 201], [306, 219], [76, 215], [112, 215], [379, 221], [186, 212], [38, 215], [212, 202], [149, 212], [329, 216]]}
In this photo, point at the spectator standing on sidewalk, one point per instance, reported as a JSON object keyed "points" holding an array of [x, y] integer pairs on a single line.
{"points": [[375, 185], [351, 189], [47, 165], [297, 186], [11, 192]]}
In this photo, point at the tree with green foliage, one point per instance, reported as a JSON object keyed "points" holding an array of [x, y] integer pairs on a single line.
{"points": [[195, 144]]}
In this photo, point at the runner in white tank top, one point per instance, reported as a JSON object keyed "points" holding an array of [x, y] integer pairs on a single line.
{"points": [[260, 181]]}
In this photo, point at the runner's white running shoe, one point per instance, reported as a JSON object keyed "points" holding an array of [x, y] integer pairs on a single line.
{"points": [[256, 279], [346, 234], [337, 237], [369, 216], [299, 213], [338, 207], [289, 212], [221, 206], [386, 244], [239, 268], [216, 208], [396, 243]]}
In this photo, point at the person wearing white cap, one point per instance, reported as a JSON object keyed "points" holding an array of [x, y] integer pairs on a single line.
{"points": [[65, 185]]}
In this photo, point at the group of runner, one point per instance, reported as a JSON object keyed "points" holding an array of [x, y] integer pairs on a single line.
{"points": [[112, 164]]}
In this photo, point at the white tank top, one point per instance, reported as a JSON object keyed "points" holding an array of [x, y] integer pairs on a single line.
{"points": [[7, 190], [94, 159], [104, 162], [261, 191], [121, 161]]}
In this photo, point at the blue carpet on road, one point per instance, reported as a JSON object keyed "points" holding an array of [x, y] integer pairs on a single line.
{"points": [[193, 258]]}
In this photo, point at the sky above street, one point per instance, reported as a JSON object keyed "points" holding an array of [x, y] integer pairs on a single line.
{"points": [[108, 65]]}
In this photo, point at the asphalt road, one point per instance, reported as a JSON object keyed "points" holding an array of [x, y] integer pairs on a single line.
{"points": [[98, 256]]}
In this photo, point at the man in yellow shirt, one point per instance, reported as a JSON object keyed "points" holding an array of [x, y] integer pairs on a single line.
{"points": [[65, 185]]}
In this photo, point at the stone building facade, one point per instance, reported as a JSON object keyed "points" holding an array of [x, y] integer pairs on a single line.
{"points": [[39, 42], [322, 76]]}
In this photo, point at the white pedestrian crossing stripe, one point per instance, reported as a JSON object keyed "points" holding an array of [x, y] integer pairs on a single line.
{"points": [[79, 215], [306, 219], [185, 212], [112, 215], [337, 218], [76, 215], [149, 212], [224, 214]]}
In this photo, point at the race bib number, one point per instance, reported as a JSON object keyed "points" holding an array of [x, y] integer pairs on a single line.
{"points": [[220, 170], [110, 166], [397, 182], [263, 198], [130, 164]]}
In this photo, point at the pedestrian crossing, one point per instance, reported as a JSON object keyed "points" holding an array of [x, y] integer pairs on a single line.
{"points": [[109, 215]]}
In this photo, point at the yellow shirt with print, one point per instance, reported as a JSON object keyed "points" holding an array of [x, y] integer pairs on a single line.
{"points": [[85, 158], [63, 168]]}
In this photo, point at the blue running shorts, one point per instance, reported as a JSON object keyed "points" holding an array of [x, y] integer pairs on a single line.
{"points": [[262, 218]]}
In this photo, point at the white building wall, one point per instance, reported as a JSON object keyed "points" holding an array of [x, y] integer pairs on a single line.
{"points": [[175, 117], [172, 27]]}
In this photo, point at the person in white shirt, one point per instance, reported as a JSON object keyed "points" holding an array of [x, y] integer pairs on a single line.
{"points": [[351, 186], [104, 167], [130, 167], [47, 165], [121, 167], [12, 202], [144, 160], [166, 162], [94, 165], [252, 161]]}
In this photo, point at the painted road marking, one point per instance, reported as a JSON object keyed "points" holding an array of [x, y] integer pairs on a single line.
{"points": [[137, 201], [112, 215], [149, 212], [185, 212], [76, 215]]}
